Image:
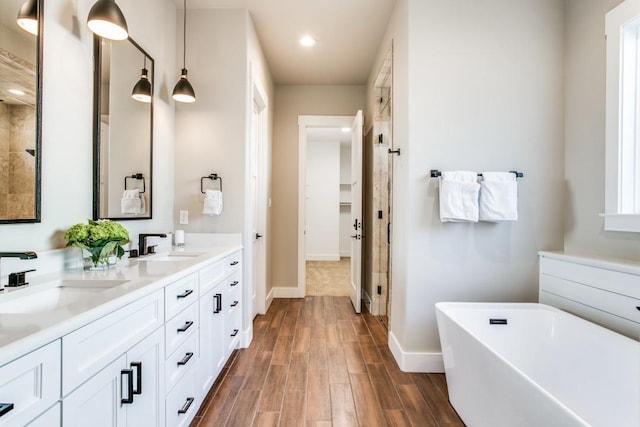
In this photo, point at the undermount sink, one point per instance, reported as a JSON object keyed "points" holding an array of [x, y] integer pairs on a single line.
{"points": [[52, 297], [172, 256]]}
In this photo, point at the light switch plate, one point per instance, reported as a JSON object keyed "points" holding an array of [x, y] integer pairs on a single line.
{"points": [[184, 217]]}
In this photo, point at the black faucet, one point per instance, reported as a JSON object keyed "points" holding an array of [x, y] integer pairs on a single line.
{"points": [[18, 279], [142, 242]]}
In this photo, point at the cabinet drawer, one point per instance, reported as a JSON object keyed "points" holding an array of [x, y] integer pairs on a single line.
{"points": [[92, 347], [610, 302], [233, 262], [182, 402], [181, 361], [181, 327], [31, 383], [180, 294], [211, 275]]}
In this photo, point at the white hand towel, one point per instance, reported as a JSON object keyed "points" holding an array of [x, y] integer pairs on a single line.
{"points": [[143, 204], [459, 196], [212, 202], [130, 202], [498, 197]]}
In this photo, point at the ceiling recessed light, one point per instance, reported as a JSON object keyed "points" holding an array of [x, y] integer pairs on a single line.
{"points": [[345, 130], [307, 41], [16, 92]]}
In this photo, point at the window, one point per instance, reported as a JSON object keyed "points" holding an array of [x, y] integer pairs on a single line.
{"points": [[622, 189]]}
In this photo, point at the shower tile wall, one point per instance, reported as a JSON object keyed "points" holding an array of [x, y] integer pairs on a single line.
{"points": [[17, 166]]}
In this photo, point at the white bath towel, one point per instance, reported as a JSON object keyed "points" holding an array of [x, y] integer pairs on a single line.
{"points": [[212, 202], [498, 197], [459, 196], [130, 202]]}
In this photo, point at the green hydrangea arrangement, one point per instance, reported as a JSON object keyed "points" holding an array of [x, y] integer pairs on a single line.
{"points": [[102, 239]]}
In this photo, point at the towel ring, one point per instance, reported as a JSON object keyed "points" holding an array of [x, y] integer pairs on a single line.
{"points": [[212, 177], [136, 176]]}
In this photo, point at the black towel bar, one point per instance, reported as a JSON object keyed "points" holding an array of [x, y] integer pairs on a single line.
{"points": [[435, 173]]}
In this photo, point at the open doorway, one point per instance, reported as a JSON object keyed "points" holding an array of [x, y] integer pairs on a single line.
{"points": [[330, 194]]}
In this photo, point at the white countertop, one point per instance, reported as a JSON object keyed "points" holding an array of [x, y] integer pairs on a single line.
{"points": [[21, 333], [607, 263]]}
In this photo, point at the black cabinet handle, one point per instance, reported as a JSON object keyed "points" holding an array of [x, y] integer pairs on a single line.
{"points": [[234, 304], [185, 294], [234, 263], [185, 359], [138, 368], [218, 299], [128, 374], [638, 308], [5, 407], [186, 326], [186, 406], [234, 283], [235, 332]]}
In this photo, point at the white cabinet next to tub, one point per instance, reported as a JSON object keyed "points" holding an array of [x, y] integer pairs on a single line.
{"points": [[605, 292]]}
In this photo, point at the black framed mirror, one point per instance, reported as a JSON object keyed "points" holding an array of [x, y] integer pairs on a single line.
{"points": [[123, 130], [21, 49]]}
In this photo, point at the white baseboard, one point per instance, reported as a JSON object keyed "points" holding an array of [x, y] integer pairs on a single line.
{"points": [[287, 292], [322, 257], [268, 301], [345, 254], [367, 300], [415, 362], [246, 337]]}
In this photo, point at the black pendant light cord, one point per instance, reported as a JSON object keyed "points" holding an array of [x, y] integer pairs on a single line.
{"points": [[184, 36]]}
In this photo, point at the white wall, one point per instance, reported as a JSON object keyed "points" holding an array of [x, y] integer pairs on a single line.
{"points": [[480, 100], [290, 102], [68, 119], [585, 134], [323, 201]]}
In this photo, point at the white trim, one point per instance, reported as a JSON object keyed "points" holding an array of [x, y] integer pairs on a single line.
{"points": [[622, 222], [415, 362], [303, 123], [345, 254], [246, 337], [368, 301], [287, 292], [269, 300]]}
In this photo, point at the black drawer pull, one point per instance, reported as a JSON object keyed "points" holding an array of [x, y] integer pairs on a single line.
{"points": [[185, 359], [128, 373], [235, 332], [186, 406], [138, 368], [234, 263], [234, 304], [5, 407], [218, 299], [186, 326], [186, 294], [234, 283], [638, 308]]}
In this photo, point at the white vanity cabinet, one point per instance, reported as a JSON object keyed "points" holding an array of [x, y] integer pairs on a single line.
{"points": [[29, 385], [121, 357]]}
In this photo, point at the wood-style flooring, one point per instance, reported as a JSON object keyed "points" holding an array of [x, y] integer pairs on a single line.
{"points": [[314, 362]]}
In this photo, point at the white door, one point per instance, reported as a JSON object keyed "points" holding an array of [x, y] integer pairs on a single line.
{"points": [[356, 212], [258, 188]]}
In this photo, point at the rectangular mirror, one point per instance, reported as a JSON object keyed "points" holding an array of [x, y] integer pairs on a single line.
{"points": [[20, 110], [123, 130]]}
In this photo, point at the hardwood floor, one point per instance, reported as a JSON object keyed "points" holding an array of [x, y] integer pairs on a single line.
{"points": [[314, 362]]}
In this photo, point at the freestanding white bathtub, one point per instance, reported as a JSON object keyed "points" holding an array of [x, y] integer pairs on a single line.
{"points": [[521, 365]]}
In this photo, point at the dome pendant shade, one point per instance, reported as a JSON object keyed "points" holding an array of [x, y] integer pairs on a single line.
{"points": [[28, 17], [142, 90], [183, 91], [106, 20]]}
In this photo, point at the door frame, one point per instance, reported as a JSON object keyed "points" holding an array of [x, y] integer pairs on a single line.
{"points": [[303, 123]]}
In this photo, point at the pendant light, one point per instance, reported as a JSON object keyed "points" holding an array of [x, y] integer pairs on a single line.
{"points": [[106, 20], [142, 90], [183, 91], [28, 17]]}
